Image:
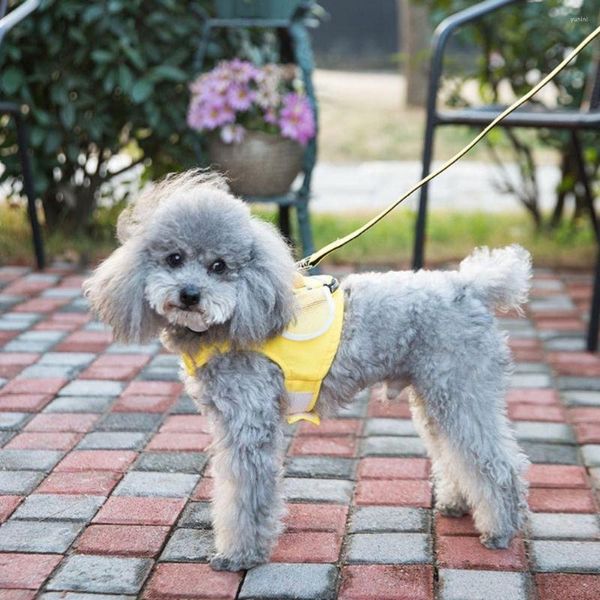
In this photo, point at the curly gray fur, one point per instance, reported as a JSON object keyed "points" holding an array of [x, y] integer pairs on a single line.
{"points": [[433, 331]]}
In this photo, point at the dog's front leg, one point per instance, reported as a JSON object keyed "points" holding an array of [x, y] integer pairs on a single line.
{"points": [[247, 466]]}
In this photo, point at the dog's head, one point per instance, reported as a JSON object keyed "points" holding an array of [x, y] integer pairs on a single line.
{"points": [[193, 259]]}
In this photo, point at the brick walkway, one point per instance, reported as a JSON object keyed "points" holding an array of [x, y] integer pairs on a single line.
{"points": [[103, 490]]}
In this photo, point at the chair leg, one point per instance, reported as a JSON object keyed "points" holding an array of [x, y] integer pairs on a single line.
{"points": [[23, 146], [583, 176], [421, 224], [284, 221], [304, 227], [594, 324]]}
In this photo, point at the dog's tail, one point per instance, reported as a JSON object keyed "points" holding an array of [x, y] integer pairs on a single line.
{"points": [[500, 278]]}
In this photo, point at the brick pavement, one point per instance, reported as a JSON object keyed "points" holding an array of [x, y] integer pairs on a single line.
{"points": [[104, 485]]}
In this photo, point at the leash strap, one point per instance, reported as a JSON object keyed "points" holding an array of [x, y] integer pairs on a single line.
{"points": [[315, 258]]}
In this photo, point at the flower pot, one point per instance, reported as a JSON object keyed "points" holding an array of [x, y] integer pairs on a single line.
{"points": [[262, 164], [258, 9]]}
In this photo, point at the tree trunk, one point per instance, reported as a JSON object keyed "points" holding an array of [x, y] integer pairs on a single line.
{"points": [[416, 32]]}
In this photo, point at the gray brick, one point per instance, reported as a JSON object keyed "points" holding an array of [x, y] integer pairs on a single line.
{"points": [[42, 336], [62, 293], [281, 581], [102, 574], [456, 584], [565, 343], [172, 462], [135, 421], [19, 482], [49, 371], [563, 525], [6, 436], [566, 556], [59, 507], [387, 518], [189, 545], [579, 383], [79, 404], [38, 536], [29, 460], [392, 446], [72, 359], [96, 326], [184, 406], [162, 374], [169, 361], [550, 303], [318, 490], [581, 397], [92, 387], [530, 380], [591, 455], [559, 454], [78, 305], [41, 278], [171, 485], [12, 420], [390, 427], [196, 514], [117, 348], [114, 440], [7, 301], [320, 466], [28, 346], [536, 431], [83, 596], [531, 367], [388, 548]]}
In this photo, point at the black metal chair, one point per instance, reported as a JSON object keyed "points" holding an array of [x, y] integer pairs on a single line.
{"points": [[7, 21], [587, 117]]}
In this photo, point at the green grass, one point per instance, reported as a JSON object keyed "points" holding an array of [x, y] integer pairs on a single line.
{"points": [[451, 236]]}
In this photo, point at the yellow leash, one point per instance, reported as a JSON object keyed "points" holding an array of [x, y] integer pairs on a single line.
{"points": [[316, 257]]}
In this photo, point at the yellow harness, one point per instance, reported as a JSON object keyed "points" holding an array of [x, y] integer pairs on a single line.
{"points": [[304, 351]]}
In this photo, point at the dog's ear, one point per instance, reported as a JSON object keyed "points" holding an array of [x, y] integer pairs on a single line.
{"points": [[116, 294], [265, 302]]}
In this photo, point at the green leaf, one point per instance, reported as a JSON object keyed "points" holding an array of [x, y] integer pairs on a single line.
{"points": [[92, 13], [101, 56], [168, 73], [53, 140], [67, 115], [12, 78], [142, 90], [125, 78]]}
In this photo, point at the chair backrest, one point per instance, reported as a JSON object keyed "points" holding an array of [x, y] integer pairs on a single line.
{"points": [[3, 7], [9, 19], [591, 100]]}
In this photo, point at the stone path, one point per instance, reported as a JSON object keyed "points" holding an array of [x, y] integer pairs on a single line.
{"points": [[104, 486]]}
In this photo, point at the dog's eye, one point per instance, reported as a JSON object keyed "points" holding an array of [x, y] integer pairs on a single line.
{"points": [[174, 260], [218, 266]]}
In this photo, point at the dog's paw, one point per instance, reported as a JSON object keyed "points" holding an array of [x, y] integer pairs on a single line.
{"points": [[452, 510], [220, 562], [495, 542]]}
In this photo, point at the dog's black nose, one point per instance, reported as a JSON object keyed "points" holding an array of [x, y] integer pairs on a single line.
{"points": [[189, 295]]}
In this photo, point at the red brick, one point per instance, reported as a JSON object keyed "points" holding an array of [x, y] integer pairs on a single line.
{"points": [[77, 318], [454, 525], [524, 344], [24, 287], [42, 305], [393, 468], [531, 412], [316, 517], [125, 510], [554, 324], [186, 423], [17, 595], [8, 505], [12, 363], [394, 492], [567, 586], [561, 500], [62, 422], [97, 460], [467, 552], [51, 325], [179, 581], [542, 396], [44, 440], [588, 433], [324, 446], [307, 547], [24, 402], [575, 363], [204, 490], [124, 540], [528, 355], [26, 571], [584, 414], [85, 341], [116, 366], [151, 404], [98, 483], [560, 476], [193, 442], [331, 427], [153, 388], [394, 410], [33, 386], [387, 582]]}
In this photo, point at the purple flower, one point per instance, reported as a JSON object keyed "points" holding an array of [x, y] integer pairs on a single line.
{"points": [[203, 116], [232, 134], [240, 97], [296, 118]]}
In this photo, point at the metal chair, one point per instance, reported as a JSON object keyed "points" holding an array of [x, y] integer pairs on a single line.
{"points": [[7, 21], [586, 118]]}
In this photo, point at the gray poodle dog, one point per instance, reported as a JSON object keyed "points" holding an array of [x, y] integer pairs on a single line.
{"points": [[195, 265]]}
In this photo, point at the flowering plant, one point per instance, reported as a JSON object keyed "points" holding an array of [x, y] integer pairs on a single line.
{"points": [[237, 96]]}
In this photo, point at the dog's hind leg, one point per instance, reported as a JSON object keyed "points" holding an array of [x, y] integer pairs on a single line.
{"points": [[247, 455], [449, 500]]}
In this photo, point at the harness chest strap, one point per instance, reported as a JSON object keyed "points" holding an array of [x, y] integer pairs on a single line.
{"points": [[304, 351]]}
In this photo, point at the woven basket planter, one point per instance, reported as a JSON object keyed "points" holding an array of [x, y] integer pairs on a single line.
{"points": [[262, 165]]}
